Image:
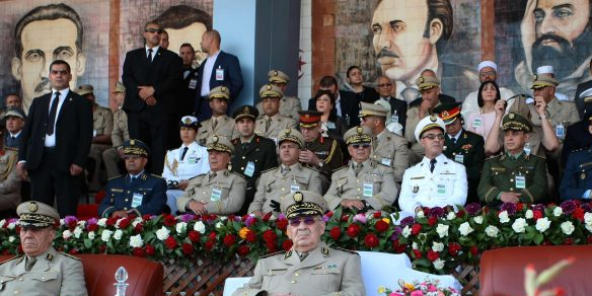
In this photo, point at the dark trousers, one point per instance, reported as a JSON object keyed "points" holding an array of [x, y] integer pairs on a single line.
{"points": [[202, 109], [48, 182], [172, 135], [148, 126]]}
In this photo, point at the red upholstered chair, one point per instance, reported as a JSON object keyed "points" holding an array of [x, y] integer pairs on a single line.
{"points": [[87, 211]]}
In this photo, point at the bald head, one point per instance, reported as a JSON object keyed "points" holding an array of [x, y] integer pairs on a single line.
{"points": [[428, 73]]}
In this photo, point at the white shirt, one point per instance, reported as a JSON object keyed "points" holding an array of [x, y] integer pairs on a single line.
{"points": [[50, 141], [154, 51], [338, 104], [470, 103], [207, 74], [194, 163]]}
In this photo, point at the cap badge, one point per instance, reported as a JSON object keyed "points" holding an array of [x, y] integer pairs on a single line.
{"points": [[433, 118], [298, 197], [33, 207], [511, 115], [215, 139], [223, 88], [307, 116], [535, 77], [269, 87], [275, 73], [445, 113], [246, 110], [187, 120], [132, 142], [360, 130], [287, 131], [420, 79]]}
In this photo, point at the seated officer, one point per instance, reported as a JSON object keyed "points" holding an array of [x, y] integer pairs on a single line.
{"points": [[322, 153], [462, 146], [137, 192], [517, 175], [185, 162], [577, 177], [363, 184], [10, 180], [310, 267], [289, 106], [41, 270], [218, 192], [219, 124], [272, 122], [290, 176], [435, 181]]}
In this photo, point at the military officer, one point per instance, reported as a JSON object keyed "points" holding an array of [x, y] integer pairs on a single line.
{"points": [[218, 192], [319, 152], [252, 153], [515, 176], [137, 192], [289, 106], [15, 118], [290, 176], [185, 162], [10, 180], [364, 183], [462, 146], [387, 148], [436, 181], [272, 121], [113, 156], [219, 124], [577, 177], [577, 135], [310, 267], [41, 270]]}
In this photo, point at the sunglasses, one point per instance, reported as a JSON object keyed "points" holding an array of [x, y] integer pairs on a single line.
{"points": [[433, 137], [306, 220], [358, 146]]}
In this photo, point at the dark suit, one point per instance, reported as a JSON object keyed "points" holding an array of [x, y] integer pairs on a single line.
{"points": [[580, 101], [233, 79], [154, 125], [149, 190], [399, 109], [49, 169], [577, 137], [468, 151], [350, 107]]}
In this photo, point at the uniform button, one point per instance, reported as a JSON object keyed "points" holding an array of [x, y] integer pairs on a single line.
{"points": [[128, 192], [511, 189], [125, 208], [244, 157], [126, 200], [21, 279], [242, 168], [43, 278], [204, 192], [357, 197], [283, 189], [16, 292], [293, 282], [297, 274], [358, 189]]}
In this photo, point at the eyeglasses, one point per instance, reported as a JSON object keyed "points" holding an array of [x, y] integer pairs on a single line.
{"points": [[433, 137], [306, 220], [488, 73], [385, 84], [151, 30], [358, 146]]}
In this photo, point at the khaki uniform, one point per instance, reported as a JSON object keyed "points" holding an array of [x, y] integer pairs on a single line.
{"points": [[119, 135], [54, 274], [102, 125], [391, 150], [289, 107], [223, 191], [278, 123], [325, 271], [10, 181], [224, 128], [375, 184], [272, 185]]}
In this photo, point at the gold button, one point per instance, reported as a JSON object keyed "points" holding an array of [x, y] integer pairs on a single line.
{"points": [[126, 200], [511, 189], [297, 274], [42, 278], [242, 168], [358, 189], [357, 197], [128, 192], [125, 208], [282, 189], [511, 180], [244, 157], [16, 292], [20, 279], [293, 282]]}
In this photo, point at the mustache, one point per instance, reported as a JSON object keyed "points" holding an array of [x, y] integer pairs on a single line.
{"points": [[550, 37], [44, 84], [386, 53]]}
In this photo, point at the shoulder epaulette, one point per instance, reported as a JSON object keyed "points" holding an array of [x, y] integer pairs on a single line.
{"points": [[272, 254], [346, 250], [341, 168], [70, 256], [13, 258], [578, 149], [198, 176], [237, 174], [269, 170], [115, 178], [157, 176]]}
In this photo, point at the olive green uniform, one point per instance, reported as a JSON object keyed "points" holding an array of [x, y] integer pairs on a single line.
{"points": [[224, 127], [276, 124], [289, 107], [10, 180], [223, 190], [391, 150]]}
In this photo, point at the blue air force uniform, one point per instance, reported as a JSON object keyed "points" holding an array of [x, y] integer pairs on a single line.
{"points": [[577, 177]]}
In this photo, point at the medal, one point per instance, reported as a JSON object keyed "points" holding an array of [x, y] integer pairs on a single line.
{"points": [[415, 189]]}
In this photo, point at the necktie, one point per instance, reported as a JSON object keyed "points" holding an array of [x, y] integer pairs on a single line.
{"points": [[52, 113], [150, 55], [184, 152], [212, 176], [453, 141], [131, 179], [302, 256], [267, 123], [214, 123], [358, 168], [245, 146], [285, 170], [432, 165], [30, 262]]}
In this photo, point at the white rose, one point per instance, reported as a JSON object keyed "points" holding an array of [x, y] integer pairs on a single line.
{"points": [[66, 234], [117, 235], [478, 219], [542, 224], [557, 211], [62, 222], [11, 225], [519, 225], [92, 235], [529, 214], [438, 263], [223, 218], [406, 231], [491, 231], [451, 216], [106, 235], [136, 241], [420, 214], [503, 217], [589, 227], [11, 238], [81, 223], [567, 227], [442, 230], [162, 233], [437, 247], [136, 222], [465, 229], [199, 227], [414, 246], [219, 225], [181, 227], [588, 218], [2, 223], [102, 222]]}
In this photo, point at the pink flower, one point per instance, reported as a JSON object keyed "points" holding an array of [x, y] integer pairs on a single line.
{"points": [[360, 218]]}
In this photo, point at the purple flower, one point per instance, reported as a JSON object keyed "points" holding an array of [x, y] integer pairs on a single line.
{"points": [[187, 217], [407, 221], [539, 207], [70, 219], [586, 207], [250, 220], [396, 233], [568, 207], [436, 212], [12, 220], [473, 208], [326, 219], [360, 218], [509, 207], [281, 216]]}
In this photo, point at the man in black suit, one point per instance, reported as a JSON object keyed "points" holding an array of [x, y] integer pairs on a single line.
{"points": [[346, 102], [190, 79], [152, 77], [55, 142], [581, 88], [384, 87], [219, 69]]}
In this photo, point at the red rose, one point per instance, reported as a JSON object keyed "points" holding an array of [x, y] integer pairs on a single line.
{"points": [[377, 214], [243, 250], [371, 240], [150, 250], [568, 241], [287, 245], [102, 249], [269, 236], [251, 236], [245, 217], [432, 221], [454, 248], [381, 226], [146, 217], [519, 207], [73, 252], [187, 249], [417, 254], [124, 223], [170, 242], [267, 217], [209, 245], [212, 236], [589, 240], [432, 256], [460, 214], [92, 227], [138, 252], [193, 235], [353, 230], [399, 248], [578, 214], [169, 220], [72, 224], [416, 229], [271, 247], [282, 224], [335, 232], [329, 214], [213, 217], [344, 218], [474, 250], [139, 227], [537, 215], [111, 221], [231, 217], [229, 240]]}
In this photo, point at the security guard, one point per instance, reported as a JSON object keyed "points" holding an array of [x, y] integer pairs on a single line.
{"points": [[310, 267], [435, 181], [577, 135], [272, 121], [15, 119], [185, 162], [10, 180], [219, 124], [114, 155], [289, 106], [218, 192], [319, 152], [515, 176], [41, 270], [252, 153], [387, 148], [137, 192], [577, 177], [363, 184], [289, 176], [462, 146]]}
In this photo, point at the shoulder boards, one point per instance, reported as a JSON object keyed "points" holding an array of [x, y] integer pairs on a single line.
{"points": [[269, 170], [578, 149], [346, 250], [70, 256], [272, 254], [536, 156], [204, 174], [237, 174], [341, 168], [310, 168], [13, 258], [115, 177], [156, 176]]}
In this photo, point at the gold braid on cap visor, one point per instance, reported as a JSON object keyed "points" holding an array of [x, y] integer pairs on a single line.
{"points": [[36, 220], [135, 151], [517, 126], [303, 209], [292, 139], [359, 138], [219, 147]]}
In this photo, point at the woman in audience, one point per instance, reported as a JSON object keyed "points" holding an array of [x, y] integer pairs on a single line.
{"points": [[481, 122], [331, 124]]}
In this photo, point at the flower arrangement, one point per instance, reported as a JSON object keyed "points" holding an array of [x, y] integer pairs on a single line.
{"points": [[429, 287]]}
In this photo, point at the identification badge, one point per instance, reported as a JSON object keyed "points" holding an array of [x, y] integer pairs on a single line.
{"points": [[368, 189], [441, 189], [520, 182], [560, 131], [386, 161], [216, 194], [395, 118], [527, 148], [249, 169], [219, 74], [192, 83], [459, 158], [294, 188], [477, 122], [137, 199], [331, 125]]}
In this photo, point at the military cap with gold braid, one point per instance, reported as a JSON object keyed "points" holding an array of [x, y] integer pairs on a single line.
{"points": [[516, 122], [542, 80], [291, 135], [84, 89], [277, 76], [309, 118], [358, 135], [136, 147], [429, 123], [34, 214], [427, 82], [303, 203], [220, 92], [219, 143], [368, 109], [448, 112], [245, 111], [119, 87], [270, 91], [189, 121]]}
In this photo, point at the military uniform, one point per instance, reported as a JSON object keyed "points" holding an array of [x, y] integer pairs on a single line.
{"points": [[289, 107], [119, 135], [224, 127], [10, 180], [223, 191], [277, 123], [391, 150], [102, 125], [12, 140], [577, 177], [328, 151]]}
